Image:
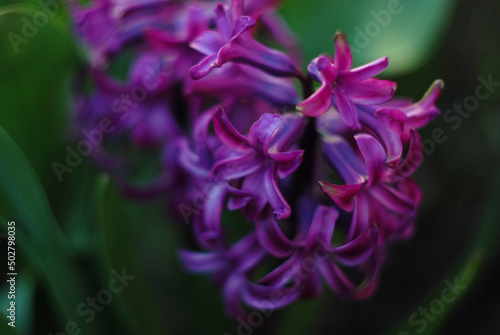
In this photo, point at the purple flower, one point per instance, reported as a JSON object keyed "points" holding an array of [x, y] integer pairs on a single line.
{"points": [[228, 140], [260, 157], [402, 115], [344, 87], [232, 42], [377, 192]]}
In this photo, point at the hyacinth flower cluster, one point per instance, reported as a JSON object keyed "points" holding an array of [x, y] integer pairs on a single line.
{"points": [[284, 192]]}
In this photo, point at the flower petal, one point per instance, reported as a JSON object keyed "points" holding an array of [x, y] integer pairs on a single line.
{"points": [[342, 195], [366, 71], [358, 250], [318, 103], [272, 238], [226, 132], [287, 162], [274, 196], [346, 108], [343, 56], [370, 91], [374, 156], [261, 132], [235, 167]]}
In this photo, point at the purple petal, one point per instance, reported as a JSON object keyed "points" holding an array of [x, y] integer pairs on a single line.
{"points": [[335, 278], [389, 139], [343, 158], [274, 196], [203, 68], [272, 238], [228, 134], [346, 108], [207, 43], [287, 162], [321, 229], [358, 250], [236, 167], [238, 199], [201, 262], [261, 132], [265, 297], [224, 24], [241, 25], [342, 195], [291, 129]]}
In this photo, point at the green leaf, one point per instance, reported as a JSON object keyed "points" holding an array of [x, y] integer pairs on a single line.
{"points": [[406, 33], [38, 236], [121, 226]]}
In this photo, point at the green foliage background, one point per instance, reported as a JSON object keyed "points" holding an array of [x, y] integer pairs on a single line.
{"points": [[71, 235]]}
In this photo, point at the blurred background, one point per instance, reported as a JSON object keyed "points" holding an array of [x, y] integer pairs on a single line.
{"points": [[74, 237]]}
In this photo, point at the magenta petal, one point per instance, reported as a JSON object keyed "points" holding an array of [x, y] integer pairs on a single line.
{"points": [[389, 139], [358, 250], [342, 195], [366, 71], [322, 70], [318, 103], [427, 102], [414, 157], [343, 57], [374, 156], [272, 238], [370, 91], [287, 162], [274, 196], [226, 132], [393, 118], [346, 109], [392, 199], [262, 131]]}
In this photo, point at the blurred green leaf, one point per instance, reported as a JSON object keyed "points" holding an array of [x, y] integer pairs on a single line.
{"points": [[5, 329], [25, 300], [36, 86], [406, 33], [120, 228], [37, 234]]}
